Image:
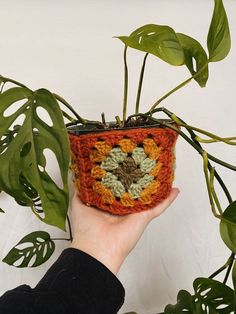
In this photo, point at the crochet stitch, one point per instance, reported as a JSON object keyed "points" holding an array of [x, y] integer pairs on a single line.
{"points": [[123, 171]]}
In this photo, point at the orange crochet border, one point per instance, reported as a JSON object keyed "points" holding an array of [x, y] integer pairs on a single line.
{"points": [[82, 165]]}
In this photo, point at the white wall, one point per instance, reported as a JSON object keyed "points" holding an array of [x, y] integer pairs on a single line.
{"points": [[67, 47]]}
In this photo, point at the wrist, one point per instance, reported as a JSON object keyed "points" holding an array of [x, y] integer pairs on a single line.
{"points": [[112, 262]]}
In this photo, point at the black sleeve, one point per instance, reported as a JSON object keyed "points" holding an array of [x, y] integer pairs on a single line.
{"points": [[76, 283]]}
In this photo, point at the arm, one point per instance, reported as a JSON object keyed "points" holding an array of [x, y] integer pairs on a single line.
{"points": [[83, 279]]}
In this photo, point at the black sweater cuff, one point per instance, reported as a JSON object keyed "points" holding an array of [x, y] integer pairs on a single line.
{"points": [[84, 283]]}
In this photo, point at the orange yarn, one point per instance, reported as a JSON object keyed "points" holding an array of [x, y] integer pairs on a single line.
{"points": [[127, 200], [98, 172], [107, 197], [154, 172], [127, 145], [151, 149], [124, 171]]}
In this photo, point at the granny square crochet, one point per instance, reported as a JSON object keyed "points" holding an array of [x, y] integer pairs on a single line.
{"points": [[124, 171]]}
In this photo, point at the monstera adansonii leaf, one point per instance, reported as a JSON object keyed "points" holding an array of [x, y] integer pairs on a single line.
{"points": [[211, 297], [174, 48], [33, 250], [228, 227], [22, 158], [194, 52], [218, 39], [159, 40]]}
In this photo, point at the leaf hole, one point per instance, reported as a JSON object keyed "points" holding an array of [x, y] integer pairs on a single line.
{"points": [[204, 292], [42, 169], [194, 65], [221, 306], [19, 261], [54, 172], [32, 260], [18, 122], [45, 250], [35, 131], [22, 246], [40, 240], [14, 107], [44, 116], [26, 149], [151, 33]]}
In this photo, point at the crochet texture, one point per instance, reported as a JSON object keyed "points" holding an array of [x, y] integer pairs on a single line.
{"points": [[123, 171]]}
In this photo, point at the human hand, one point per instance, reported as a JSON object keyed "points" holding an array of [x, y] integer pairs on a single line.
{"points": [[110, 238]]}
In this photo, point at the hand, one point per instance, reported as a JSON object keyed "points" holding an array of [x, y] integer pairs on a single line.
{"points": [[110, 238]]}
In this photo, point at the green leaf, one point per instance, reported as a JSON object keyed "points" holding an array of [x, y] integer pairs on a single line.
{"points": [[38, 251], [159, 40], [184, 304], [228, 227], [211, 297], [228, 234], [22, 171], [234, 282], [229, 215], [218, 40], [193, 50], [216, 296]]}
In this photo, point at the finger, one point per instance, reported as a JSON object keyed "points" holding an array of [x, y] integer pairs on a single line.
{"points": [[160, 208]]}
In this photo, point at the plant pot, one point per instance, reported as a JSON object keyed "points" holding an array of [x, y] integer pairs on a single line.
{"points": [[123, 171]]}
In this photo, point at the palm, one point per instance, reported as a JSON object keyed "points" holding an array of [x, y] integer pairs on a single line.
{"points": [[118, 234]]}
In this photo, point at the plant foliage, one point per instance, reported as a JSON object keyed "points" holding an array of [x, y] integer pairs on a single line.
{"points": [[33, 250], [210, 297], [22, 158]]}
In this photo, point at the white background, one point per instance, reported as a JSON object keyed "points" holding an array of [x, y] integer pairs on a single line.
{"points": [[67, 47]]}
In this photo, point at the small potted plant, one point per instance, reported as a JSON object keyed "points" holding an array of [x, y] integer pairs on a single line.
{"points": [[123, 166]]}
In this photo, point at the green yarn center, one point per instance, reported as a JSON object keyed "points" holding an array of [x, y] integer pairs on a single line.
{"points": [[127, 172]]}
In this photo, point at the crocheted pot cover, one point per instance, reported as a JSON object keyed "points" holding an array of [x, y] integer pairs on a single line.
{"points": [[123, 171]]}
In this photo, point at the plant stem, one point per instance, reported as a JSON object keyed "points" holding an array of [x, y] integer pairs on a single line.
{"points": [[215, 137], [140, 84], [65, 103], [6, 79], [118, 121], [213, 192], [125, 85], [65, 114], [231, 259], [193, 143], [57, 239], [225, 139], [170, 93], [218, 271], [3, 84], [70, 230], [193, 136], [177, 88], [205, 168]]}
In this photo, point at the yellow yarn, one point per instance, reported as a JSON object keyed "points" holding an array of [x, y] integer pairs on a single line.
{"points": [[98, 172], [103, 148], [127, 200], [96, 156], [154, 172], [145, 197], [153, 186], [151, 149], [107, 196], [98, 188], [127, 145]]}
